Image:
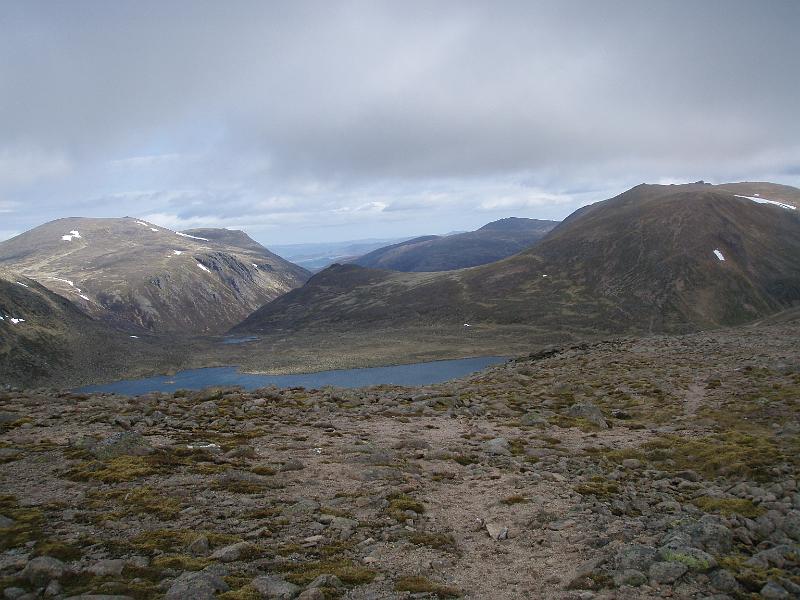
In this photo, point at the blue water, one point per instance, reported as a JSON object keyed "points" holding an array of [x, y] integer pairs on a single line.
{"points": [[239, 340], [196, 379]]}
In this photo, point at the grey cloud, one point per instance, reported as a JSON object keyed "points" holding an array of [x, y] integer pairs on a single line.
{"points": [[226, 111]]}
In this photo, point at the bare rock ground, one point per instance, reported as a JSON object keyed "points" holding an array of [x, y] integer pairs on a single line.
{"points": [[628, 469]]}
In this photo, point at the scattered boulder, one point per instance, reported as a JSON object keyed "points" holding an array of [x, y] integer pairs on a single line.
{"points": [[233, 552], [274, 588], [667, 572], [201, 585], [125, 443], [43, 569], [498, 447], [589, 411]]}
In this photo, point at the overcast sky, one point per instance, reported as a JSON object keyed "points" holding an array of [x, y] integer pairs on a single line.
{"points": [[331, 120]]}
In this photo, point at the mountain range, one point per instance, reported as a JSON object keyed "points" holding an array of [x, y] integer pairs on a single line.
{"points": [[490, 243], [130, 272], [653, 259]]}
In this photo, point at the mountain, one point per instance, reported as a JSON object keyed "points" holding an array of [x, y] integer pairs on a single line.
{"points": [[318, 255], [490, 243], [131, 271], [653, 259], [42, 334]]}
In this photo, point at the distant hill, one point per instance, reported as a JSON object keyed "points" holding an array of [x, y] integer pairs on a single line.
{"points": [[490, 243], [653, 259], [130, 271], [316, 256]]}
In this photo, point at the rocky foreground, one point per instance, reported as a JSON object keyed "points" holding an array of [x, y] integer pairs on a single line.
{"points": [[644, 468]]}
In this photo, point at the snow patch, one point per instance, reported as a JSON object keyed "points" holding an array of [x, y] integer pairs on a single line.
{"points": [[760, 200], [719, 255], [194, 237], [142, 223], [255, 266], [22, 284], [205, 268], [15, 321], [84, 297], [72, 235], [177, 252], [154, 229], [67, 281], [136, 337]]}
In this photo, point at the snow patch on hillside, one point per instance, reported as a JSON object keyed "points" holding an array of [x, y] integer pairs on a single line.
{"points": [[22, 284], [177, 252], [72, 235], [194, 237], [205, 268], [761, 200], [719, 255]]}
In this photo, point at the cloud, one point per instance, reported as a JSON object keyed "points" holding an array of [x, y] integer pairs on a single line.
{"points": [[385, 112]]}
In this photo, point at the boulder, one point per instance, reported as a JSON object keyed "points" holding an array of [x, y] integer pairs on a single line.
{"points": [[274, 588]]}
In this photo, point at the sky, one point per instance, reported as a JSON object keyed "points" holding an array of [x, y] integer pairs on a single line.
{"points": [[327, 121]]}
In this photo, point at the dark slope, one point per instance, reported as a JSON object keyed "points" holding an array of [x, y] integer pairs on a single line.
{"points": [[490, 243], [127, 270], [43, 335], [642, 261]]}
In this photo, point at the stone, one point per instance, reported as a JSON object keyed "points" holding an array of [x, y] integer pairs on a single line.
{"points": [[325, 580], [632, 463], [312, 594], [496, 530], [293, 464], [498, 447], [233, 552], [125, 443], [198, 546], [589, 411], [667, 572], [43, 569], [635, 556], [201, 585], [108, 567], [724, 581], [274, 588], [709, 535], [12, 593], [774, 591], [695, 559], [631, 577]]}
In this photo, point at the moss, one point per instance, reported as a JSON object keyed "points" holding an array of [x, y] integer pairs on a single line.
{"points": [[346, 570], [751, 578], [598, 487], [694, 563], [57, 549], [168, 541], [437, 541], [465, 459], [727, 454], [399, 503], [517, 446], [241, 486], [140, 500], [729, 506], [26, 526], [246, 592], [418, 585], [181, 562], [262, 470], [511, 500], [115, 470]]}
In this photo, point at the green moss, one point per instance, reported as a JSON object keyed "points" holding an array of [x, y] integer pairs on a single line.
{"points": [[598, 487], [181, 562], [418, 585], [246, 592], [729, 506], [57, 549], [399, 503], [169, 541], [26, 526], [346, 570], [437, 541], [139, 500], [694, 563]]}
